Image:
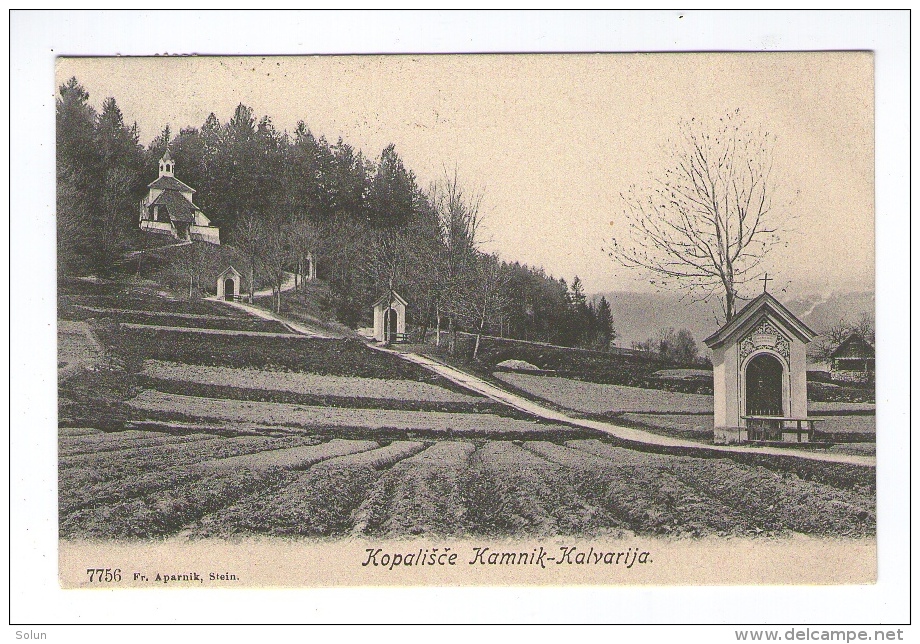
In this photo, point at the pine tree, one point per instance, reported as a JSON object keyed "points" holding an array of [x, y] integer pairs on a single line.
{"points": [[604, 317]]}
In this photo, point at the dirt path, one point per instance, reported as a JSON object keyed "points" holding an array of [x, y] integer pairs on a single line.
{"points": [[625, 433], [77, 348], [302, 329], [287, 285], [630, 434]]}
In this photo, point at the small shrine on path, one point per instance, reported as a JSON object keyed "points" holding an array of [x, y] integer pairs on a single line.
{"points": [[759, 387], [390, 318]]}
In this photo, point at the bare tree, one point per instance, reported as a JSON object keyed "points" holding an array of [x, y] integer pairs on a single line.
{"points": [[706, 224], [458, 220], [304, 244], [391, 258], [277, 252], [191, 261], [247, 237], [486, 296]]}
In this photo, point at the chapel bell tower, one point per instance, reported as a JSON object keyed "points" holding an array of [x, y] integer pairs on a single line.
{"points": [[167, 165]]}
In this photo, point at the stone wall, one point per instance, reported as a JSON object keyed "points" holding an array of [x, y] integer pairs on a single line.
{"points": [[862, 377]]}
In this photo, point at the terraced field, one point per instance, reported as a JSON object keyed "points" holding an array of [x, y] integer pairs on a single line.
{"points": [[682, 414], [221, 435]]}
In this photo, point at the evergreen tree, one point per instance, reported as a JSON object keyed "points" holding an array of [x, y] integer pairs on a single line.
{"points": [[605, 330]]}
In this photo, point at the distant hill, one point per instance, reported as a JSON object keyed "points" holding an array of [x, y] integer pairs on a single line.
{"points": [[639, 316]]}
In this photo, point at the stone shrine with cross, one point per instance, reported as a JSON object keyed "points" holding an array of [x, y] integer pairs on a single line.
{"points": [[759, 387]]}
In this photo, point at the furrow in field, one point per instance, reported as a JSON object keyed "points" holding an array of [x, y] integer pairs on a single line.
{"points": [[776, 501], [100, 437], [803, 506], [640, 493], [108, 493], [293, 457], [71, 432], [305, 383], [166, 511], [322, 501], [88, 469], [508, 490], [319, 502], [377, 458], [116, 445], [419, 495], [271, 413]]}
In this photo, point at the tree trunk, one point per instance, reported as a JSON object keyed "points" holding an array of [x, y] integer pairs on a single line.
{"points": [[451, 336], [437, 341], [190, 282], [729, 304], [482, 324], [424, 330], [252, 279]]}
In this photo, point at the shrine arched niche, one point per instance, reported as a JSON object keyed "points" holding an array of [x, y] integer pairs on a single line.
{"points": [[764, 385]]}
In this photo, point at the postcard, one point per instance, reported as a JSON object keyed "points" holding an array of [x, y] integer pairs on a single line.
{"points": [[453, 320]]}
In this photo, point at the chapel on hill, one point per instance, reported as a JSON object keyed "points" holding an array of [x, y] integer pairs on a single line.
{"points": [[168, 208]]}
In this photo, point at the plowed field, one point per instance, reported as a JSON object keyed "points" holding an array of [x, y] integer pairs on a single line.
{"points": [[178, 485], [216, 436]]}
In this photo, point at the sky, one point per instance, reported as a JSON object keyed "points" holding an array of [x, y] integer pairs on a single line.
{"points": [[551, 140]]}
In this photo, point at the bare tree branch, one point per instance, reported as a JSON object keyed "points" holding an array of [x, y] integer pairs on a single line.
{"points": [[706, 224]]}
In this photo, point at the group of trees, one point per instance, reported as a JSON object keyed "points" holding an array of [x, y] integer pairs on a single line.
{"points": [[670, 345], [705, 225], [100, 173], [283, 198]]}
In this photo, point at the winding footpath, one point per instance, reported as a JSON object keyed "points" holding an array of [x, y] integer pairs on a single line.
{"points": [[296, 327], [628, 434], [625, 434]]}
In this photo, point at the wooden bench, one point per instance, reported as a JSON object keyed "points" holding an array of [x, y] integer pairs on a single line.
{"points": [[772, 428]]}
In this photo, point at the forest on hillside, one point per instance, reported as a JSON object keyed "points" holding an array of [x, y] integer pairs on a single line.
{"points": [[280, 197]]}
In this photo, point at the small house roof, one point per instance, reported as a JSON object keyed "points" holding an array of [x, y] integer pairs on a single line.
{"points": [[229, 271], [386, 296], [751, 312], [179, 208], [170, 183], [854, 346]]}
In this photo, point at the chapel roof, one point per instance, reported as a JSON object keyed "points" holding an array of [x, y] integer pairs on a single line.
{"points": [[229, 271], [170, 183], [854, 346], [179, 208], [386, 296], [167, 156], [751, 312]]}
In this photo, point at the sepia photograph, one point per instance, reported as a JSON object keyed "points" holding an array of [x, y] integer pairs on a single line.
{"points": [[438, 319], [360, 298]]}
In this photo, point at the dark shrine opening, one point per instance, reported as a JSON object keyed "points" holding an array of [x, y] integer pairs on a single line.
{"points": [[764, 386]]}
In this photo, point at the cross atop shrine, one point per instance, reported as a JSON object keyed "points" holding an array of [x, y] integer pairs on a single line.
{"points": [[766, 279]]}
